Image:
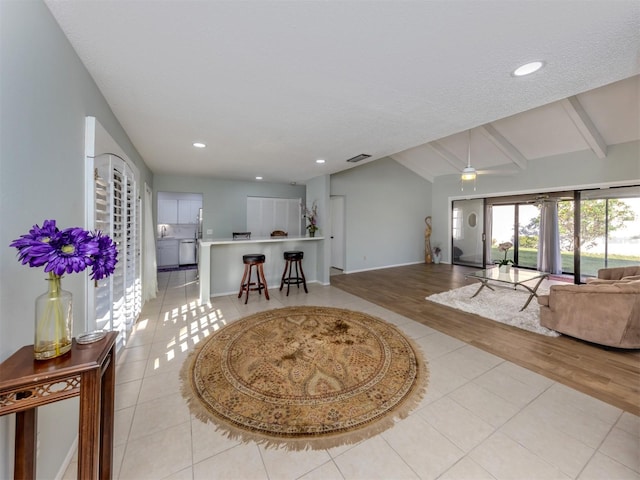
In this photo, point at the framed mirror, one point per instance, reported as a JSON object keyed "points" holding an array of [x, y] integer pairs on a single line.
{"points": [[472, 220]]}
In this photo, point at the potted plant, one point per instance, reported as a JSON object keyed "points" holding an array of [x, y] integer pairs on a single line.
{"points": [[437, 254], [505, 264]]}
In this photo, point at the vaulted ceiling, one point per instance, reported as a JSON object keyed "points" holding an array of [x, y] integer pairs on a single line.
{"points": [[593, 120], [272, 86]]}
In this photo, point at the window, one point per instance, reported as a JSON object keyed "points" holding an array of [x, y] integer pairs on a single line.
{"points": [[457, 224], [609, 229], [542, 229]]}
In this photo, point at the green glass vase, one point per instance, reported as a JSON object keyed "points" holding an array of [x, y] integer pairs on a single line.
{"points": [[54, 321]]}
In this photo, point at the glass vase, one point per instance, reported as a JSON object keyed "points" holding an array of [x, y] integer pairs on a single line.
{"points": [[54, 319]]}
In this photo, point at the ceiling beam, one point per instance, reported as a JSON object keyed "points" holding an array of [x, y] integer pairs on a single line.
{"points": [[585, 126], [504, 145], [454, 161], [415, 167]]}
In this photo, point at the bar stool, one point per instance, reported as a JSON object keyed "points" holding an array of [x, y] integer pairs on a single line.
{"points": [[250, 261], [294, 257]]}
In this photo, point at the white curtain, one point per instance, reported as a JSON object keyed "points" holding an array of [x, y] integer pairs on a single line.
{"points": [[489, 225], [150, 275], [549, 258]]}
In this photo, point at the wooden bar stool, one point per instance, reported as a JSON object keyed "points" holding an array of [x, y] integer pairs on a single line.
{"points": [[250, 261], [291, 258]]}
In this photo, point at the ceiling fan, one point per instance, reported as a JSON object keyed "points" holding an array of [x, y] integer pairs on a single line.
{"points": [[469, 173]]}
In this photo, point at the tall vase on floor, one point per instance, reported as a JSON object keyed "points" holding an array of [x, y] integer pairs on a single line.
{"points": [[54, 321]]}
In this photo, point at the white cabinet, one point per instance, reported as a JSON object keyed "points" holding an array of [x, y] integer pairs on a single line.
{"points": [[167, 211], [178, 208], [167, 252], [188, 211]]}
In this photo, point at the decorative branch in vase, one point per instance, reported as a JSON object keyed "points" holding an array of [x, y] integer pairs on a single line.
{"points": [[312, 218], [71, 250]]}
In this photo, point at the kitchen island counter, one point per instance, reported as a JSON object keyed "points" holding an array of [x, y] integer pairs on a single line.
{"points": [[220, 262], [207, 242]]}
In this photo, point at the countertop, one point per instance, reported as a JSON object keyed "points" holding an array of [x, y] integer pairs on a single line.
{"points": [[162, 239], [207, 242]]}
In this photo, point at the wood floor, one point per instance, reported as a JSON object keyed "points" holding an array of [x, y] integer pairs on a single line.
{"points": [[612, 375]]}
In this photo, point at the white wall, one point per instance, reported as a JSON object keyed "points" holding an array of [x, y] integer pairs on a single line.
{"points": [[46, 93], [385, 208], [318, 191]]}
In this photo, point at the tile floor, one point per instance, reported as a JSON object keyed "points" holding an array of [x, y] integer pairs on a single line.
{"points": [[482, 418]]}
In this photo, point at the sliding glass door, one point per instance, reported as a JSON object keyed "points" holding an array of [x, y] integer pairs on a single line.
{"points": [[502, 227], [468, 232], [609, 229], [528, 221], [506, 220], [539, 227], [542, 231]]}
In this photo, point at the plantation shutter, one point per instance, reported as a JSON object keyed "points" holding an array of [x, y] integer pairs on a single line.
{"points": [[130, 229], [265, 214], [113, 207], [102, 288], [136, 247], [118, 298]]}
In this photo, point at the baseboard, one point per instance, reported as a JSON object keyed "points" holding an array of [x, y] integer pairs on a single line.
{"points": [[383, 267], [67, 459], [235, 292]]}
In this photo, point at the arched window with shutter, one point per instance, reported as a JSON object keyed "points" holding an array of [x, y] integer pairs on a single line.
{"points": [[114, 204]]}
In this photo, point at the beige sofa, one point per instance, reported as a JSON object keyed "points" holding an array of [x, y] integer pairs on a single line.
{"points": [[605, 310]]}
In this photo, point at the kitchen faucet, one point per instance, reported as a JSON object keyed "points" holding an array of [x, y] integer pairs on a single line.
{"points": [[163, 231]]}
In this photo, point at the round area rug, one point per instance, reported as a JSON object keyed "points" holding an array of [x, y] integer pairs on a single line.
{"points": [[304, 377]]}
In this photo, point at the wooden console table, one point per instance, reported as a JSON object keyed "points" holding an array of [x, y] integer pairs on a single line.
{"points": [[87, 371]]}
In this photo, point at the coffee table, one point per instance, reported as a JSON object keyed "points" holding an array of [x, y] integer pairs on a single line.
{"points": [[515, 277]]}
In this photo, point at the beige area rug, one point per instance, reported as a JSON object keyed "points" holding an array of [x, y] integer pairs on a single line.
{"points": [[304, 377], [502, 305]]}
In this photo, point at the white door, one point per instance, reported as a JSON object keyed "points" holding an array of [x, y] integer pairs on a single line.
{"points": [[337, 232]]}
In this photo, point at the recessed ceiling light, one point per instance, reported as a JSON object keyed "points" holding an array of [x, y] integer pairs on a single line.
{"points": [[258, 178], [528, 68], [199, 145], [319, 161]]}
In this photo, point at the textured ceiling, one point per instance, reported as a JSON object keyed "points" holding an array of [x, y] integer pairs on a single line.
{"points": [[271, 86]]}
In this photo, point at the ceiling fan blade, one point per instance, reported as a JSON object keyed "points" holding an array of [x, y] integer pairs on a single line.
{"points": [[499, 171]]}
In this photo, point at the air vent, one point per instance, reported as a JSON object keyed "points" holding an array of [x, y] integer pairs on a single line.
{"points": [[357, 158]]}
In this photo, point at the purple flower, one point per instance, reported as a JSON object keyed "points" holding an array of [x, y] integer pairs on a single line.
{"points": [[105, 260], [35, 247], [72, 251], [68, 251]]}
